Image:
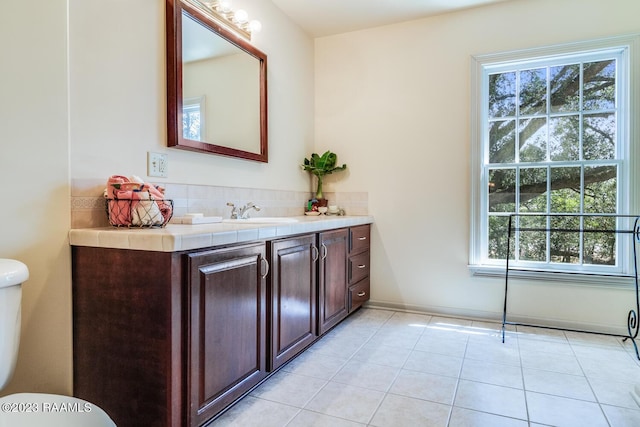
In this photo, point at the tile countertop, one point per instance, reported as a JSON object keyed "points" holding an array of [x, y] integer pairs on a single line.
{"points": [[183, 237]]}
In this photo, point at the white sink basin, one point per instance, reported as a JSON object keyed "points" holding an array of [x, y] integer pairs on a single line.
{"points": [[263, 220]]}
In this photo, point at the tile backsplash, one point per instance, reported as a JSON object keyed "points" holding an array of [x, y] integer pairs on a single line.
{"points": [[88, 205]]}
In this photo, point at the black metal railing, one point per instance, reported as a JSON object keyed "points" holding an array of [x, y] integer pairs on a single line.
{"points": [[624, 225]]}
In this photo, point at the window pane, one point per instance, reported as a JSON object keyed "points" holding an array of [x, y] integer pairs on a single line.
{"points": [[599, 85], [533, 190], [565, 190], [552, 154], [502, 94], [600, 189], [191, 124], [565, 88], [599, 140], [502, 190], [533, 140], [599, 248], [533, 238], [565, 245], [564, 141], [497, 244], [502, 141], [533, 91]]}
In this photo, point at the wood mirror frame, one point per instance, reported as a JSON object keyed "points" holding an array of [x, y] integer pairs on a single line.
{"points": [[175, 138]]}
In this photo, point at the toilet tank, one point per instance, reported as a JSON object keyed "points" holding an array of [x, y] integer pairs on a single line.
{"points": [[12, 274]]}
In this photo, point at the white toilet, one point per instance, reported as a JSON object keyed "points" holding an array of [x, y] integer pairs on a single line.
{"points": [[33, 409]]}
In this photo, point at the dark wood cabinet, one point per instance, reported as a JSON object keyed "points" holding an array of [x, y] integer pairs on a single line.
{"points": [[358, 294], [333, 298], [227, 327], [171, 339], [128, 334], [359, 268], [293, 297]]}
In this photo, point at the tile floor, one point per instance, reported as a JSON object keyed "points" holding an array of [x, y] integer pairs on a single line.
{"points": [[391, 369]]}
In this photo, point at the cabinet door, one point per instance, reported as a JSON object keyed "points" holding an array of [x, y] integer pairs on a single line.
{"points": [[227, 327], [333, 295], [293, 297]]}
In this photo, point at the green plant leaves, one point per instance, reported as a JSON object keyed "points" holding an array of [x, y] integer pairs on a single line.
{"points": [[322, 165]]}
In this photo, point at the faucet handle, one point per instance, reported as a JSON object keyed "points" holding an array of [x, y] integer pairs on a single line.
{"points": [[234, 210]]}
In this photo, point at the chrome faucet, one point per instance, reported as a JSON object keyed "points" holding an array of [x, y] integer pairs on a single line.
{"points": [[242, 212]]}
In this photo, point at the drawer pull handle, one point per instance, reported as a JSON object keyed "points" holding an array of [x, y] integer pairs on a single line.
{"points": [[362, 238], [361, 293], [362, 266]]}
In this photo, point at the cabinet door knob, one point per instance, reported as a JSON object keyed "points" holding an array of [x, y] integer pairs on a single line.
{"points": [[314, 248], [266, 267], [361, 293], [362, 238], [325, 251], [362, 266]]}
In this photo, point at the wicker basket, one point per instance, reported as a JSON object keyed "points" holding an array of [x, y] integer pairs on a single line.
{"points": [[142, 213]]}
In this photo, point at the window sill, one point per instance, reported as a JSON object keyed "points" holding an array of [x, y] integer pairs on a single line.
{"points": [[578, 279]]}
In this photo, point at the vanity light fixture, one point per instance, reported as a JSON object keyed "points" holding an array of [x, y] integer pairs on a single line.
{"points": [[236, 21]]}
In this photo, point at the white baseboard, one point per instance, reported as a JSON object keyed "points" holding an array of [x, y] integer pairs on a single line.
{"points": [[485, 316], [491, 316]]}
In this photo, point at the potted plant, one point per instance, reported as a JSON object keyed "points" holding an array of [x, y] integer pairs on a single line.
{"points": [[321, 166]]}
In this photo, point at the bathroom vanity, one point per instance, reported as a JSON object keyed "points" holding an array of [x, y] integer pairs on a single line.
{"points": [[173, 325]]}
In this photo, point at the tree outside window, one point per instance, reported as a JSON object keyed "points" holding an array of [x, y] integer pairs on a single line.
{"points": [[552, 142], [193, 118]]}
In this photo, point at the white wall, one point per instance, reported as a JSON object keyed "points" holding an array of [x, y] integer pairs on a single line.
{"points": [[394, 103], [34, 171], [93, 108], [117, 75]]}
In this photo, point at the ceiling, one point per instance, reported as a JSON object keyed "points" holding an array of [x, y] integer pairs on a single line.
{"points": [[198, 42], [326, 17]]}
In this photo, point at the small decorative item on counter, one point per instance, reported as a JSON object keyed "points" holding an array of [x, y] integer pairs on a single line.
{"points": [[321, 166], [130, 202], [335, 210], [312, 208], [312, 205]]}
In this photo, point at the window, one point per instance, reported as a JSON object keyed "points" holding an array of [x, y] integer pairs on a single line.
{"points": [[552, 135], [193, 114]]}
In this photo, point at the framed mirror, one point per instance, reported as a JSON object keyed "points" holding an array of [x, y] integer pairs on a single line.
{"points": [[216, 86]]}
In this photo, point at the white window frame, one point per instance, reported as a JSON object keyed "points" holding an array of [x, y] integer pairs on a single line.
{"points": [[197, 104], [628, 101]]}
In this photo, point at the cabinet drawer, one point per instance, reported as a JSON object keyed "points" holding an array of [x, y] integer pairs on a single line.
{"points": [[359, 239], [358, 294], [358, 267]]}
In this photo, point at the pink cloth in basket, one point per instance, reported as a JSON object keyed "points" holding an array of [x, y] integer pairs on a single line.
{"points": [[125, 196]]}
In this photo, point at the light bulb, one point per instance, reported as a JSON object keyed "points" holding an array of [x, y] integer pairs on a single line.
{"points": [[241, 16], [225, 6], [255, 26]]}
